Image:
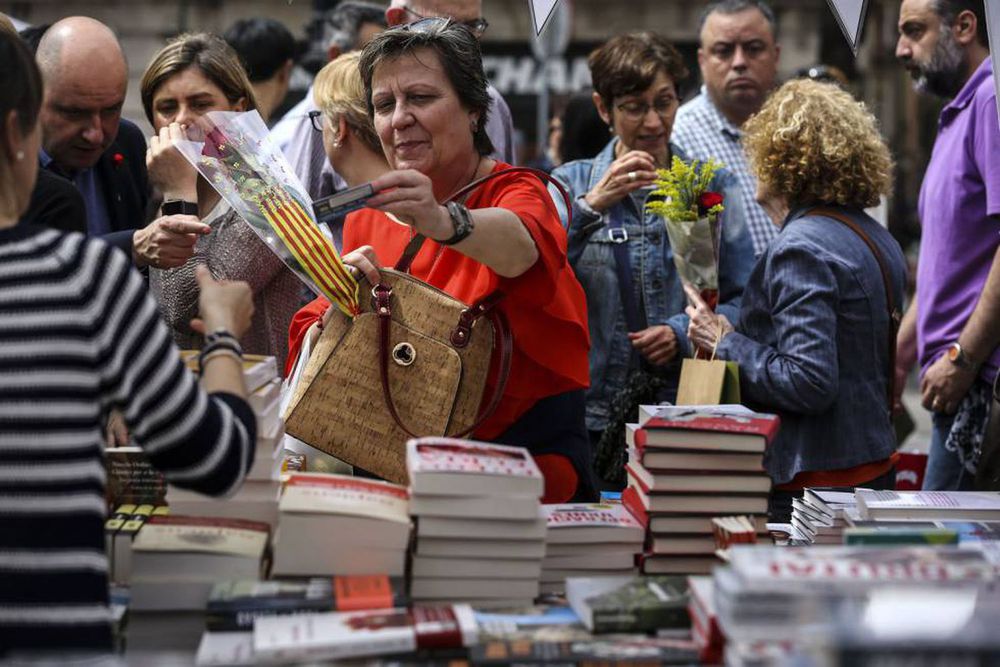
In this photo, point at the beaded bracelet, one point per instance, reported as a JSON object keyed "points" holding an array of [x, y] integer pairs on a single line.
{"points": [[215, 354]]}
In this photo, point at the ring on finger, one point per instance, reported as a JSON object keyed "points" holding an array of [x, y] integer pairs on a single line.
{"points": [[631, 176]]}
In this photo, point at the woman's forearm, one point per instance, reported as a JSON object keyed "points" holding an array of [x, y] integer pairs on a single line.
{"points": [[500, 241]]}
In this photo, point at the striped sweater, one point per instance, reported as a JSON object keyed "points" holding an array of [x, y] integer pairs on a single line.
{"points": [[80, 335]]}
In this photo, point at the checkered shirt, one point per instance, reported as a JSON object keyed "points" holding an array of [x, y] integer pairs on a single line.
{"points": [[703, 132]]}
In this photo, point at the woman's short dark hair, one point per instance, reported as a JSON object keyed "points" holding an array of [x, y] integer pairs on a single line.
{"points": [[460, 56], [21, 83], [628, 64], [211, 55]]}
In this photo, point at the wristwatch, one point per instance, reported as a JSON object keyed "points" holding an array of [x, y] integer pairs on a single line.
{"points": [[179, 207], [957, 356], [461, 220]]}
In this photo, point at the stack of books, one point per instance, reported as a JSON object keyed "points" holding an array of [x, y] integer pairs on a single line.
{"points": [[341, 525], [821, 515], [176, 560], [704, 622], [480, 526], [589, 540], [687, 465], [773, 593], [257, 499]]}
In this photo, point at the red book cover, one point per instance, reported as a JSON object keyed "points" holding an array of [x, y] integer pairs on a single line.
{"points": [[632, 502], [698, 420]]}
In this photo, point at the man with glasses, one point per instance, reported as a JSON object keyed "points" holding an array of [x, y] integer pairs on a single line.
{"points": [[499, 123], [738, 58]]}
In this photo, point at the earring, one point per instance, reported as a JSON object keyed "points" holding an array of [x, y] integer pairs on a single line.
{"points": [[20, 155]]}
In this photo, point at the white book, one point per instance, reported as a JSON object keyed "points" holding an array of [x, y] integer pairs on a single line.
{"points": [[297, 559], [319, 493], [579, 523], [610, 549], [514, 549], [476, 568], [481, 507], [955, 505], [261, 399], [471, 529], [450, 466], [224, 649], [334, 636], [615, 561]]}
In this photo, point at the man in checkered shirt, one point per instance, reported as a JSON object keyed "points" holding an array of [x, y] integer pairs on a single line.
{"points": [[738, 58]]}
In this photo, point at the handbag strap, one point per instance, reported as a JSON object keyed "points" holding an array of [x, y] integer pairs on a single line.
{"points": [[894, 315], [484, 307]]}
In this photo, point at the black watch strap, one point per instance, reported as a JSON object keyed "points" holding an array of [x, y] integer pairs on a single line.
{"points": [[179, 207], [461, 219]]}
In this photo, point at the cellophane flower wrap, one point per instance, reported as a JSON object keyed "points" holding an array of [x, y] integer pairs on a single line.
{"points": [[692, 214], [233, 152]]}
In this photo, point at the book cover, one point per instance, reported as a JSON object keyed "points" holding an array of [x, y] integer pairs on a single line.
{"points": [[710, 420], [899, 536], [332, 636], [629, 604], [858, 567], [322, 493], [928, 504], [572, 522], [233, 605], [694, 460], [203, 535], [132, 479], [459, 467]]}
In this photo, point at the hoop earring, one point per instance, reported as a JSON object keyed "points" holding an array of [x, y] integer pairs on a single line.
{"points": [[20, 155]]}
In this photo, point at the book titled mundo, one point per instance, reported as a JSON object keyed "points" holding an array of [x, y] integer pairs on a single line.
{"points": [[857, 567]]}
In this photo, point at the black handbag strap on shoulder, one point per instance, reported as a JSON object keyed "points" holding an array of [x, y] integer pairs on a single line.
{"points": [[895, 315]]}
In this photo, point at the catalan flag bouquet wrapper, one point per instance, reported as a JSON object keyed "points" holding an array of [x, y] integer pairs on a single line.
{"points": [[233, 152]]}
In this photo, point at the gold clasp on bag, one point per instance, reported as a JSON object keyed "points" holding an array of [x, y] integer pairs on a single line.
{"points": [[404, 354]]}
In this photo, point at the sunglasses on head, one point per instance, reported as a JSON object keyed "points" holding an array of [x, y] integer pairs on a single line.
{"points": [[476, 26]]}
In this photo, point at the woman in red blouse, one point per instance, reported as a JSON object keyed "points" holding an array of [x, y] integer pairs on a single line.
{"points": [[426, 93]]}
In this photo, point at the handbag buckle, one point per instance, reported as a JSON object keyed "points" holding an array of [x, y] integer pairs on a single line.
{"points": [[617, 234], [382, 296]]}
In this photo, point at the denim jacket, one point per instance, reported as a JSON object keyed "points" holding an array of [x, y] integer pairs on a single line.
{"points": [[811, 343], [654, 279]]}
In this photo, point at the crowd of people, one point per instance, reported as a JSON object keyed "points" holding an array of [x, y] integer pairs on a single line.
{"points": [[114, 252]]}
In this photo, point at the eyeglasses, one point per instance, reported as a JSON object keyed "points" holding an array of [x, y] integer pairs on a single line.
{"points": [[476, 26], [316, 118], [636, 111]]}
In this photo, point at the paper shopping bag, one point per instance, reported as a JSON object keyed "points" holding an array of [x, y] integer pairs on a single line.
{"points": [[708, 382]]}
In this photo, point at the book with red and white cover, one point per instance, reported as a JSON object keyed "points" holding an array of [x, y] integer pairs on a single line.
{"points": [[699, 481], [857, 568], [207, 535], [706, 428], [319, 493], [333, 636], [668, 522], [704, 621], [579, 523], [450, 466]]}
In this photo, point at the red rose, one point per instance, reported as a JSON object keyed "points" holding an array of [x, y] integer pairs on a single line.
{"points": [[118, 159], [707, 201]]}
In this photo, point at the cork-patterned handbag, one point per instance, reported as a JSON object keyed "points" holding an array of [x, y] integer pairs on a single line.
{"points": [[413, 363]]}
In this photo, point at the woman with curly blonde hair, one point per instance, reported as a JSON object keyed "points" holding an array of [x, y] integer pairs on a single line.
{"points": [[815, 335]]}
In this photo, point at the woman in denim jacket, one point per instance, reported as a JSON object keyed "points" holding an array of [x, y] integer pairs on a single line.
{"points": [[635, 82], [813, 338]]}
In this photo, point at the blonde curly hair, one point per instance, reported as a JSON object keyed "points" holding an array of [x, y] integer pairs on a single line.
{"points": [[814, 143]]}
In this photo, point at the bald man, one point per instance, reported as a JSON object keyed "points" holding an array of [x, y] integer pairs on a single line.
{"points": [[85, 139]]}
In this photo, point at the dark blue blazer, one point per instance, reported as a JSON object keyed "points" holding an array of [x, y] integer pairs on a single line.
{"points": [[125, 187]]}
